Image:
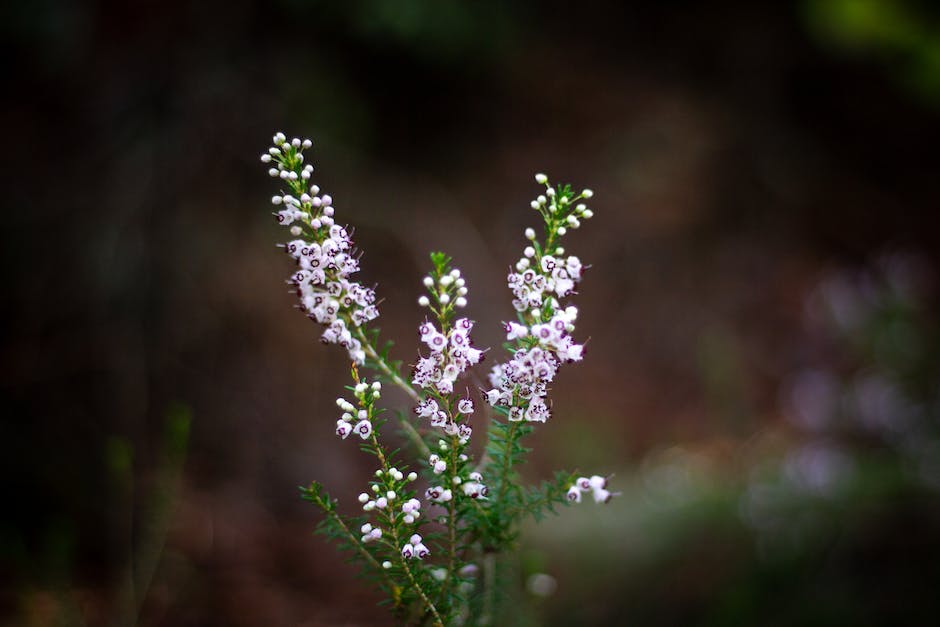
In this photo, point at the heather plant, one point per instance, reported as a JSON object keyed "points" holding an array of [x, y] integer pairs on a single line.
{"points": [[436, 525]]}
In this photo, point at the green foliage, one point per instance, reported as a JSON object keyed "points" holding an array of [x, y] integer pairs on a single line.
{"points": [[538, 501], [902, 35]]}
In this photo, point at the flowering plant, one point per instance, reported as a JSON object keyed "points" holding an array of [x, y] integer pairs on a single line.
{"points": [[431, 533]]}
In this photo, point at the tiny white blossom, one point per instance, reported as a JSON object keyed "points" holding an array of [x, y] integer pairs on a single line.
{"points": [[364, 429]]}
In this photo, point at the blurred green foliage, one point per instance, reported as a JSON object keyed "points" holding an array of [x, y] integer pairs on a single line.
{"points": [[905, 35]]}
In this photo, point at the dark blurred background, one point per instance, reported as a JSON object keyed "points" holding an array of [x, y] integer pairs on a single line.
{"points": [[763, 362]]}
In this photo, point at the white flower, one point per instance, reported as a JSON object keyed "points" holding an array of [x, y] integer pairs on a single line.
{"points": [[435, 341], [574, 494], [514, 330], [472, 489], [602, 496], [343, 428], [364, 429]]}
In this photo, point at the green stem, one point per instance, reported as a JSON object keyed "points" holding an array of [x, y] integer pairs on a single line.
{"points": [[451, 519], [507, 463], [395, 378], [414, 583], [353, 539], [489, 588]]}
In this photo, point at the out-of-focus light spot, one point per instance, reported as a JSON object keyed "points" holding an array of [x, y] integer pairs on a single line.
{"points": [[879, 406], [811, 399], [819, 468], [541, 585], [674, 476]]}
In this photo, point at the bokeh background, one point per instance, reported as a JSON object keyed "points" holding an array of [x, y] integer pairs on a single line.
{"points": [[763, 362]]}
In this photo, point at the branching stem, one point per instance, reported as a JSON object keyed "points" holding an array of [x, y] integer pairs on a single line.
{"points": [[383, 366], [331, 512]]}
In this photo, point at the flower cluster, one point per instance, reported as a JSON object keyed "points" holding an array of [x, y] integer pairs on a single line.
{"points": [[385, 487], [430, 408], [472, 486], [522, 383], [595, 484], [450, 288], [541, 279], [542, 334], [450, 355], [358, 421], [323, 251], [415, 548]]}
